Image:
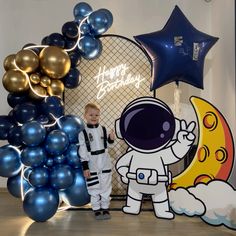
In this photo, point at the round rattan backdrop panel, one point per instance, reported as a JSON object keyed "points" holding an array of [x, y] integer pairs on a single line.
{"points": [[121, 74]]}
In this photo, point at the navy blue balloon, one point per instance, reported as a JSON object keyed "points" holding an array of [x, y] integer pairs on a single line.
{"points": [[99, 22], [50, 162], [53, 106], [72, 78], [33, 133], [75, 58], [25, 112], [14, 99], [33, 156], [39, 176], [56, 39], [14, 185], [40, 204], [72, 157], [71, 125], [44, 40], [90, 47], [177, 51], [43, 119], [10, 164], [61, 176], [82, 9], [6, 123], [36, 49], [56, 142], [70, 29], [14, 136], [70, 43], [77, 194], [59, 159]]}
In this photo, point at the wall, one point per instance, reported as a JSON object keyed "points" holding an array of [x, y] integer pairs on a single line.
{"points": [[28, 21]]}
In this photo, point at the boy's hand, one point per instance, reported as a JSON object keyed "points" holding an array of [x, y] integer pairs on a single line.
{"points": [[112, 135], [86, 174]]}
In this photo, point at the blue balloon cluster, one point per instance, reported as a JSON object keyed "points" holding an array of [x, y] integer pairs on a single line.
{"points": [[41, 160]]}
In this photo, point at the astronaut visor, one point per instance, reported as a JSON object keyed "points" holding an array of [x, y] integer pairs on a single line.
{"points": [[147, 126]]}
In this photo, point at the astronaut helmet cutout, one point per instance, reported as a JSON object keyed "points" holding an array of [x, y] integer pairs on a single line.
{"points": [[156, 139]]}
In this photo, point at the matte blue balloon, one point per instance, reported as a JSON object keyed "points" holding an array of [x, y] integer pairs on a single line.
{"points": [[56, 39], [25, 112], [6, 123], [56, 142], [71, 125], [90, 47], [77, 194], [72, 157], [33, 133], [59, 159], [99, 22], [61, 176], [52, 106], [33, 156], [72, 78], [10, 164], [14, 136], [70, 29], [177, 51], [39, 176], [14, 99], [40, 204], [14, 185], [82, 9]]}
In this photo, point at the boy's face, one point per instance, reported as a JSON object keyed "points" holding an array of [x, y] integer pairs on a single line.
{"points": [[92, 116]]}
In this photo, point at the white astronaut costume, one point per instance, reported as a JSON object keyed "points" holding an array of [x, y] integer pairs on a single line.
{"points": [[145, 170], [94, 156]]}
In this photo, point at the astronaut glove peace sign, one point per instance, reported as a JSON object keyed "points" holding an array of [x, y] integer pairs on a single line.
{"points": [[185, 135]]}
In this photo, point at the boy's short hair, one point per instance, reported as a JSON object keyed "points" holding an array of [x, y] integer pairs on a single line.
{"points": [[92, 106]]}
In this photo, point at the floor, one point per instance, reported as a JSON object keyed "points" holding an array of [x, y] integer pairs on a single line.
{"points": [[14, 222]]}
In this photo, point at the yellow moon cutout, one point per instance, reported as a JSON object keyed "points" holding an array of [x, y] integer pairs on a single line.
{"points": [[215, 153]]}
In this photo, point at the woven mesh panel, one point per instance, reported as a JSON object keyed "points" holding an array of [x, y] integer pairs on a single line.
{"points": [[116, 51]]}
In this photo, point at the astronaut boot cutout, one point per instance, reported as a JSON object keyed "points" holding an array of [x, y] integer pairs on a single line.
{"points": [[162, 210], [132, 206]]}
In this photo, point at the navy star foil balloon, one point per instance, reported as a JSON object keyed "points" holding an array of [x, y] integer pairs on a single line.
{"points": [[177, 51]]}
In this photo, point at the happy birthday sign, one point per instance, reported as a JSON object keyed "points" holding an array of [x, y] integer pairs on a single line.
{"points": [[109, 79]]}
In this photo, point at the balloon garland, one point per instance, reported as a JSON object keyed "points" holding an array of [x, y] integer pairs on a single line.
{"points": [[41, 160]]}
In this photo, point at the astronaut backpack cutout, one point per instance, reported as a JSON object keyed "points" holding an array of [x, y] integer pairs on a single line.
{"points": [[156, 139]]}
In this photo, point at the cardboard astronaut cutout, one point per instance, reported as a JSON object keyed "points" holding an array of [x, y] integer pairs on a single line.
{"points": [[156, 139]]}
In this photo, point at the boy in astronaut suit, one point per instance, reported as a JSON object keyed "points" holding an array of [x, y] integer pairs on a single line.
{"points": [[156, 139], [96, 161]]}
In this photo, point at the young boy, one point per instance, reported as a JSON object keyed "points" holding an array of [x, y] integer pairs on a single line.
{"points": [[96, 161]]}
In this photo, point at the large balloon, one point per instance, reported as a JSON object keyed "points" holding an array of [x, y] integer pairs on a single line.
{"points": [[39, 176], [56, 142], [77, 194], [72, 157], [54, 61], [15, 183], [177, 51], [6, 124], [71, 125], [72, 79], [14, 99], [61, 176], [15, 81], [33, 156], [33, 133], [90, 47], [40, 204], [27, 60], [25, 112], [10, 164]]}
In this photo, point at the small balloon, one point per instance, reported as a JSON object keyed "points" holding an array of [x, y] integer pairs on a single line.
{"points": [[37, 92], [70, 29], [45, 81], [27, 60], [34, 78], [82, 9], [85, 29], [39, 176], [56, 88], [40, 204], [9, 62], [54, 62], [60, 159], [72, 79], [15, 81], [72, 157]]}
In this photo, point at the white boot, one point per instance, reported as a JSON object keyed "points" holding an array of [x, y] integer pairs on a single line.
{"points": [[162, 210], [132, 206]]}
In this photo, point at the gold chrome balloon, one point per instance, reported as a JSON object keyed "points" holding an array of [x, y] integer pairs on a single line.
{"points": [[56, 88], [38, 92], [45, 81], [9, 62], [15, 81], [35, 78], [27, 60], [55, 62]]}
